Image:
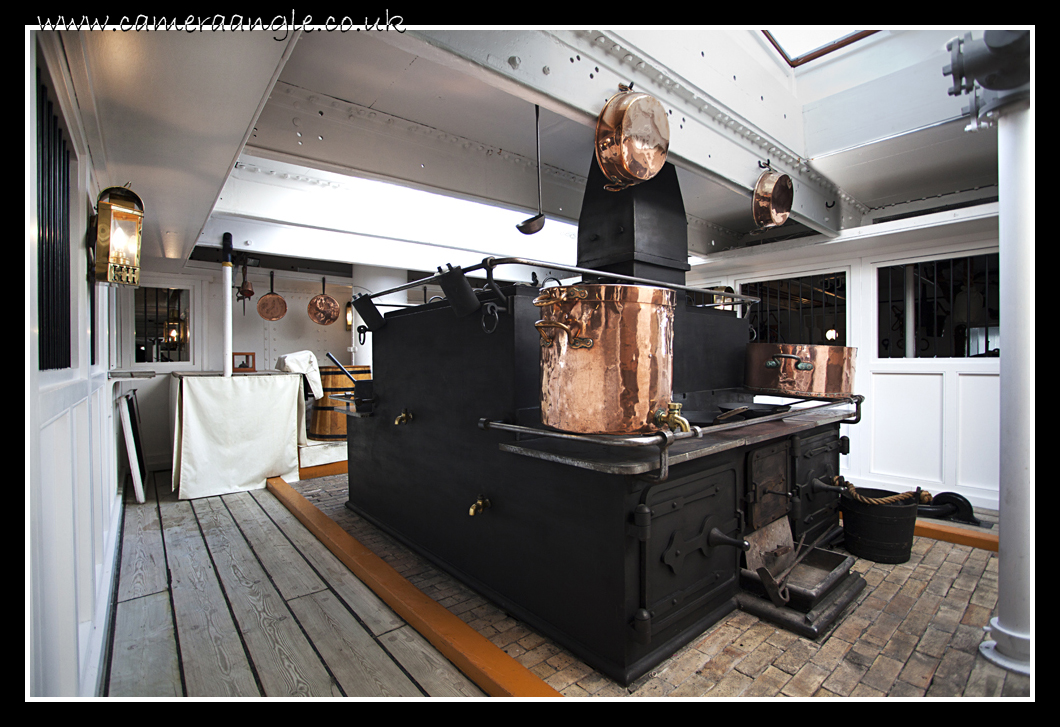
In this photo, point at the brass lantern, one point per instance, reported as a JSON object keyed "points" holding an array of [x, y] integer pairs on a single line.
{"points": [[118, 227]]}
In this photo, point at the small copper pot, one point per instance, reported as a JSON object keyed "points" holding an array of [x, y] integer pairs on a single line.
{"points": [[772, 199], [632, 138], [606, 357], [790, 369]]}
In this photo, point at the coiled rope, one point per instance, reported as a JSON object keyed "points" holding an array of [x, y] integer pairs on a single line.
{"points": [[923, 496]]}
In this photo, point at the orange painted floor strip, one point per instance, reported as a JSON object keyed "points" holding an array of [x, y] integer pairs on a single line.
{"points": [[960, 536], [496, 673]]}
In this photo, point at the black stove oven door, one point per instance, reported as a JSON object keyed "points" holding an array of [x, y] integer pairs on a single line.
{"points": [[685, 572], [814, 511]]}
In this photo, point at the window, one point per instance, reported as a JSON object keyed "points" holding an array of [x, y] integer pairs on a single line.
{"points": [[801, 45], [955, 309], [53, 235], [811, 309], [161, 325]]}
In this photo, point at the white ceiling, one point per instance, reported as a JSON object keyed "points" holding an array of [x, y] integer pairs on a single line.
{"points": [[174, 111]]}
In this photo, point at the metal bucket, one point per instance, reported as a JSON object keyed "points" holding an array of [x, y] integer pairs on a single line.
{"points": [[880, 533], [606, 357]]}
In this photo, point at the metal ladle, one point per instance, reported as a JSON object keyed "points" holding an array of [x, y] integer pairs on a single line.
{"points": [[534, 224]]}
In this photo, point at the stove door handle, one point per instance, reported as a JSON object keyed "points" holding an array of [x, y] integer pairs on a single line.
{"points": [[716, 538]]}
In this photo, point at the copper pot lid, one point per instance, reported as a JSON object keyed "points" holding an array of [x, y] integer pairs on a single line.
{"points": [[771, 202], [632, 138], [323, 309], [272, 306]]}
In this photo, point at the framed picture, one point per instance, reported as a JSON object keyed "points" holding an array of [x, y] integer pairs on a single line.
{"points": [[131, 427]]}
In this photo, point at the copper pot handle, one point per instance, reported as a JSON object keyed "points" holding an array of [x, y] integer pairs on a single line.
{"points": [[546, 299], [800, 366], [575, 341]]}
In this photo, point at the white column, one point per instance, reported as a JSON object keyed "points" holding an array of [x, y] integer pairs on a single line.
{"points": [[372, 279], [1010, 630]]}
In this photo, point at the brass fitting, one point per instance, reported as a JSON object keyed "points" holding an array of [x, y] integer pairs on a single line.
{"points": [[404, 417], [672, 418], [481, 504]]}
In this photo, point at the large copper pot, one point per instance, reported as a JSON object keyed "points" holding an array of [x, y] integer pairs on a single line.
{"points": [[795, 369], [606, 357], [632, 138]]}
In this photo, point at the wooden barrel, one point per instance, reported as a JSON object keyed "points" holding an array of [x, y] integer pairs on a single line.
{"points": [[328, 420]]}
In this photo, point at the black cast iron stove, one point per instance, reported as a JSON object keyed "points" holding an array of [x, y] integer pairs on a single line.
{"points": [[621, 549]]}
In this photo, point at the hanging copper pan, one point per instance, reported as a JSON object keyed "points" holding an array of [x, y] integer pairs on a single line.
{"points": [[323, 309], [771, 202], [632, 138], [272, 306]]}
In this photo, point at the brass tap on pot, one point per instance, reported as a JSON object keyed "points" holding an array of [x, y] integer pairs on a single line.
{"points": [[672, 418]]}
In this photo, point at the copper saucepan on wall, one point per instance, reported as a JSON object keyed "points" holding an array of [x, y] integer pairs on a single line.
{"points": [[606, 357], [272, 306], [632, 138], [793, 369], [772, 199], [323, 309]]}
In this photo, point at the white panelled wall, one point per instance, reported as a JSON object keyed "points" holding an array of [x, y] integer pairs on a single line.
{"points": [[931, 423], [73, 501]]}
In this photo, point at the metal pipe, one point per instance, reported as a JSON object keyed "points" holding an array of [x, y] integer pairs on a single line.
{"points": [[910, 312], [226, 287], [1011, 628], [661, 438], [492, 262]]}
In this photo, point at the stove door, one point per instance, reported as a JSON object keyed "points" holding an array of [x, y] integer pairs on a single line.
{"points": [[815, 457], [768, 482], [683, 575]]}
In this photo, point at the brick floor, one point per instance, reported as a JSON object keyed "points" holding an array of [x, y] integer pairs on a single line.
{"points": [[914, 631]]}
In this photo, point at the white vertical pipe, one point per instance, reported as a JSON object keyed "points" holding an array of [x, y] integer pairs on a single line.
{"points": [[226, 285], [1011, 628], [226, 295]]}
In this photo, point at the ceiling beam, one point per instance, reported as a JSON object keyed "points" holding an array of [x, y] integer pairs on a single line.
{"points": [[344, 137], [574, 72]]}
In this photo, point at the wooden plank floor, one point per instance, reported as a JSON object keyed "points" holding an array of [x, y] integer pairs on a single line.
{"points": [[232, 597]]}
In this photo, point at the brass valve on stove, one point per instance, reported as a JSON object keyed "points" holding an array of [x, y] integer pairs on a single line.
{"points": [[481, 504], [672, 418]]}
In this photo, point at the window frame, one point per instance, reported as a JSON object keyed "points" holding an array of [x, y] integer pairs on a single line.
{"points": [[874, 271], [790, 273], [824, 50], [125, 323]]}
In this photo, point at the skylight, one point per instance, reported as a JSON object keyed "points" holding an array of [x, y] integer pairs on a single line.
{"points": [[801, 44]]}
